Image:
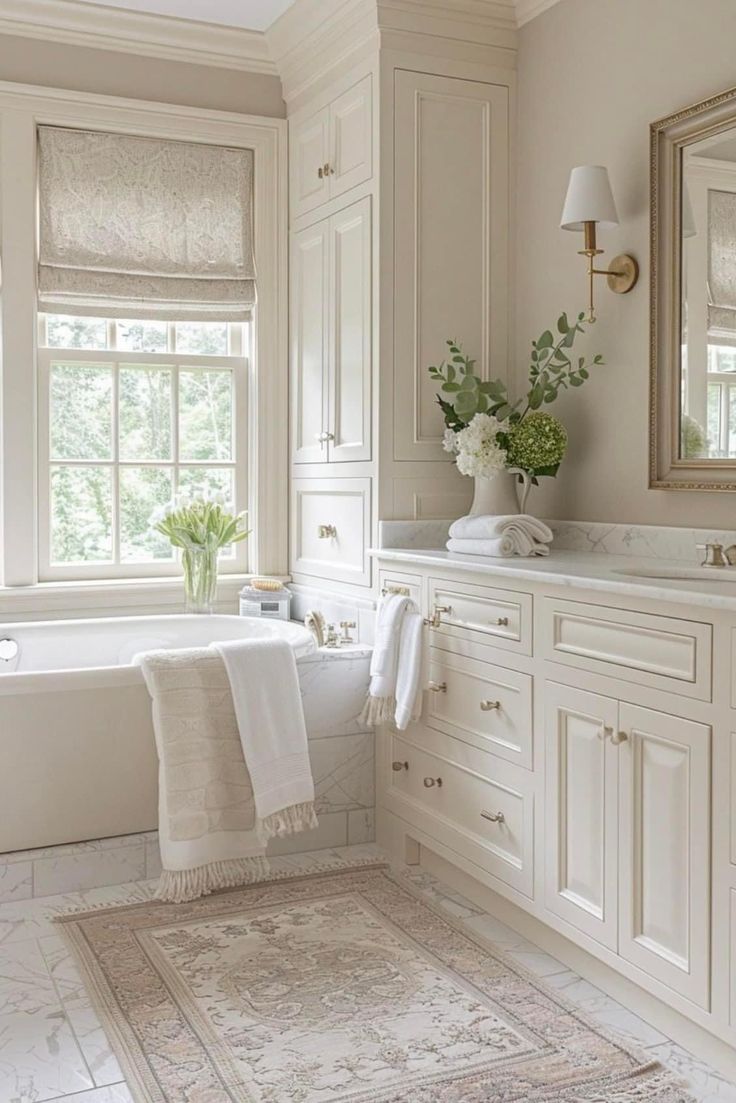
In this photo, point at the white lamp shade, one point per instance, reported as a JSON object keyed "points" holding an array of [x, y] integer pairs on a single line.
{"points": [[589, 199]]}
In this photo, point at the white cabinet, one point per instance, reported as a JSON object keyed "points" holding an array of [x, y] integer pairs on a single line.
{"points": [[331, 149], [581, 799], [331, 323], [330, 529], [664, 824], [628, 814]]}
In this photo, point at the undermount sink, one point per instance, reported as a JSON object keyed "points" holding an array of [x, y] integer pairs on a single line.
{"points": [[681, 574]]}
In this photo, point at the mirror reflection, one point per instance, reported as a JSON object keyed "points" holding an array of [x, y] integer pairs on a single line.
{"points": [[708, 309]]}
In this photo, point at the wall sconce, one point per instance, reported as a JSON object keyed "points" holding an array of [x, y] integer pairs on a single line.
{"points": [[589, 202]]}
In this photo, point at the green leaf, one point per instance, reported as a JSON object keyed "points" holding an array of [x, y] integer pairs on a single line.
{"points": [[562, 324], [576, 381], [450, 388], [536, 397], [466, 402], [451, 373], [469, 383], [546, 340], [584, 373]]}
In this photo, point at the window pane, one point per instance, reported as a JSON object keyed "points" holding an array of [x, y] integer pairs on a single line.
{"points": [[81, 412], [205, 415], [81, 514], [207, 481], [143, 490], [145, 413], [714, 419], [142, 336], [63, 332], [202, 338]]}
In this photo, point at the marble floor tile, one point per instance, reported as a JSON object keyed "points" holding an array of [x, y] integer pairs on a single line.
{"points": [[16, 881], [93, 1043], [62, 968], [23, 919], [114, 1093], [704, 1083], [39, 1058], [93, 869], [25, 982], [624, 1023]]}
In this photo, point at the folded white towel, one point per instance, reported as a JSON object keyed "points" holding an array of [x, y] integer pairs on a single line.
{"points": [[502, 547], [488, 527], [395, 663]]}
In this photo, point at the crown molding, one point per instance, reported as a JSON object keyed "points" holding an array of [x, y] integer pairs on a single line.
{"points": [[527, 10], [130, 32]]}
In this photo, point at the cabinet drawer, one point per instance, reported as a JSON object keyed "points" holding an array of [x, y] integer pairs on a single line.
{"points": [[662, 652], [473, 803], [331, 528], [482, 703], [397, 582], [502, 618]]}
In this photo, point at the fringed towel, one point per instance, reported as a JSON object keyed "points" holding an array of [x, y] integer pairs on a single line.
{"points": [[394, 695], [210, 833]]}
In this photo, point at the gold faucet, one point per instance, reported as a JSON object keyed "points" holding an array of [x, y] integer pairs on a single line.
{"points": [[718, 556]]}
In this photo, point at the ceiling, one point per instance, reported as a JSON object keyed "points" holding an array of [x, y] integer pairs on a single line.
{"points": [[256, 15]]}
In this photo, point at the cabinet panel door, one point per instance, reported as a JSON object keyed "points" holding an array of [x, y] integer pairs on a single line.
{"points": [[351, 138], [308, 155], [350, 333], [309, 352], [582, 810], [450, 242], [664, 921]]}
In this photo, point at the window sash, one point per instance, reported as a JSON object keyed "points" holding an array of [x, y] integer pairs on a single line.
{"points": [[238, 365]]}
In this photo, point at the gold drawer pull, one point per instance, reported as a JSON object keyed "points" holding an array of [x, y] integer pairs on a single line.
{"points": [[494, 817], [431, 782], [489, 706], [402, 591], [434, 621], [501, 622], [328, 169], [438, 687], [320, 172], [398, 766], [326, 532]]}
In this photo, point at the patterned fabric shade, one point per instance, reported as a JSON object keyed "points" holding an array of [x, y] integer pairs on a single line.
{"points": [[721, 262], [144, 227]]}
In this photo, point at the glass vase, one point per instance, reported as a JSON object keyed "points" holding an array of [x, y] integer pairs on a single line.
{"points": [[200, 579]]}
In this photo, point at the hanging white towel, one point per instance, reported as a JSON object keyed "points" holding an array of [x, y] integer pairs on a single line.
{"points": [[268, 707], [395, 663]]}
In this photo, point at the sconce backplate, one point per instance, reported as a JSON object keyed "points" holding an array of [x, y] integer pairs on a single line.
{"points": [[623, 274]]}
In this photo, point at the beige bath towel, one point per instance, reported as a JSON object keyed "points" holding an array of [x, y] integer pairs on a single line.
{"points": [[209, 831]]}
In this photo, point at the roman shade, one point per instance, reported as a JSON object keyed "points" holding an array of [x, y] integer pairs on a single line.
{"points": [[144, 227], [721, 263]]}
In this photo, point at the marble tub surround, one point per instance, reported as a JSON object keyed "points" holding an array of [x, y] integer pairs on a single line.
{"points": [[52, 1045], [335, 607], [644, 541]]}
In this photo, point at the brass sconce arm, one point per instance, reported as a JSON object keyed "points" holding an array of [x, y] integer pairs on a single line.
{"points": [[622, 275]]}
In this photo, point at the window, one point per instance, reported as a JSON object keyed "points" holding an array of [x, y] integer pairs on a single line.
{"points": [[132, 413]]}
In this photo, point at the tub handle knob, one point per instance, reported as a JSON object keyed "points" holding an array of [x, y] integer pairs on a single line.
{"points": [[8, 650]]}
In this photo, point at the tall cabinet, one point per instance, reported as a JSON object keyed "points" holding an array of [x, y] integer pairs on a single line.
{"points": [[399, 145]]}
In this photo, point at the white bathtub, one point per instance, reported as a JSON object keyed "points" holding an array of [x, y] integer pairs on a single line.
{"points": [[77, 755]]}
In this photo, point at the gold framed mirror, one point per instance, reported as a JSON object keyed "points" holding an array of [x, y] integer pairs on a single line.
{"points": [[693, 297]]}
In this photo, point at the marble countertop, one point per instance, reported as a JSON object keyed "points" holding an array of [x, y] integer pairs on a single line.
{"points": [[613, 574]]}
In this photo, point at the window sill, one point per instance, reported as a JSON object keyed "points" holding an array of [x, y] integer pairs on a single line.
{"points": [[112, 596]]}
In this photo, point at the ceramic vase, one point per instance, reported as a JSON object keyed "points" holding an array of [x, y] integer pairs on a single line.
{"points": [[499, 496]]}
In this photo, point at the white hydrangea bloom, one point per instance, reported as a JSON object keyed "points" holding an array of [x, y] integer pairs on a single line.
{"points": [[478, 451], [449, 441]]}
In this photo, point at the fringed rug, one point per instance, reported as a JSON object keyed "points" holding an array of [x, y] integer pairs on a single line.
{"points": [[340, 987]]}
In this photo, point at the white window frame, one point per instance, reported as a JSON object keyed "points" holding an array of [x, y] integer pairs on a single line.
{"points": [[236, 362], [22, 109]]}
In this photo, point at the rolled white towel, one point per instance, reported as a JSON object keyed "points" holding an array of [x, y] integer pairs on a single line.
{"points": [[488, 527], [502, 547], [499, 547]]}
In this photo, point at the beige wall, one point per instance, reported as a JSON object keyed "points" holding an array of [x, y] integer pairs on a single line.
{"points": [[56, 65], [593, 74]]}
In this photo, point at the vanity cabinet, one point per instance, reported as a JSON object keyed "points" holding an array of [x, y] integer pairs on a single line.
{"points": [[585, 744], [331, 323], [330, 150], [627, 845]]}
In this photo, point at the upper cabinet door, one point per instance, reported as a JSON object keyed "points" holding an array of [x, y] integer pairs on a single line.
{"points": [[665, 814], [350, 333], [309, 344], [309, 148], [351, 138], [450, 243], [581, 840]]}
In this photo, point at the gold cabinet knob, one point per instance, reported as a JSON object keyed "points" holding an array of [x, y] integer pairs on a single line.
{"points": [[327, 169], [494, 817], [397, 767], [489, 706], [438, 687], [432, 782], [326, 532], [320, 172], [618, 737], [501, 622], [324, 437]]}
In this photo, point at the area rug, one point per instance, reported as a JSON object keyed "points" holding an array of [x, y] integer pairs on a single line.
{"points": [[340, 987]]}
